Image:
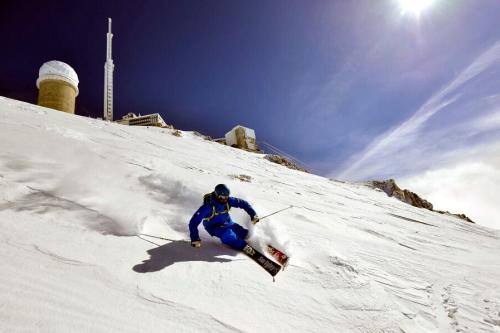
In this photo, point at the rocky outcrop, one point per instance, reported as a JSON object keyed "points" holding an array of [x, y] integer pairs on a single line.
{"points": [[243, 178], [177, 133], [285, 162], [205, 137], [460, 216], [393, 190]]}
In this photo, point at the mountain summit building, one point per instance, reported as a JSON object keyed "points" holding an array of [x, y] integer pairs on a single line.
{"points": [[241, 137], [57, 85], [132, 119]]}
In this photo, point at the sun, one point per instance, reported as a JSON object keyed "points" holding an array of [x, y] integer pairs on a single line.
{"points": [[414, 7]]}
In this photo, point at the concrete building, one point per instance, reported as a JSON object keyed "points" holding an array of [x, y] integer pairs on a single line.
{"points": [[241, 137], [132, 119], [58, 86]]}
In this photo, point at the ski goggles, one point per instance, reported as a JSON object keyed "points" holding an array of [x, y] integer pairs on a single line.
{"points": [[223, 197]]}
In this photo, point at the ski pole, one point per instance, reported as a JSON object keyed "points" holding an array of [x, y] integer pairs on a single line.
{"points": [[261, 218], [169, 239]]}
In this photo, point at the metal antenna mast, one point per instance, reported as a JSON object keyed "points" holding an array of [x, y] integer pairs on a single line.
{"points": [[109, 67]]}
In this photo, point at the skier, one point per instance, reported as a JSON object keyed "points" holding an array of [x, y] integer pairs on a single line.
{"points": [[217, 222]]}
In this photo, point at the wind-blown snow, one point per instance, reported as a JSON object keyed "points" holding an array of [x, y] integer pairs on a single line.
{"points": [[76, 194]]}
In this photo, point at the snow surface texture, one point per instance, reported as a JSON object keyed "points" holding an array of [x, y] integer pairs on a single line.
{"points": [[76, 193]]}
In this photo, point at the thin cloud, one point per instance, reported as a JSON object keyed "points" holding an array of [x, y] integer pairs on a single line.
{"points": [[396, 139], [490, 121]]}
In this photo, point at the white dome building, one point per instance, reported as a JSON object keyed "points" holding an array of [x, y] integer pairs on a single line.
{"points": [[58, 86]]}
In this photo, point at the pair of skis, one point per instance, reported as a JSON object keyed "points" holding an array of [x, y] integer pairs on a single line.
{"points": [[270, 266], [267, 264]]}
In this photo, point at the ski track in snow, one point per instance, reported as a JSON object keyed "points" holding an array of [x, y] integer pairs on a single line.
{"points": [[74, 193]]}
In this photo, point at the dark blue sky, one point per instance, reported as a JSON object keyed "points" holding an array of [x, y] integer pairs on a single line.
{"points": [[319, 79]]}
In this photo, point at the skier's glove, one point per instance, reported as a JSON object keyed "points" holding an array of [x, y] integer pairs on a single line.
{"points": [[255, 219], [196, 243]]}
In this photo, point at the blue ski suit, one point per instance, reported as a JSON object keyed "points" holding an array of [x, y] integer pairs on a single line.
{"points": [[217, 221]]}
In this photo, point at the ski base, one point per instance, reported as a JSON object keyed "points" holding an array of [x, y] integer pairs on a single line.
{"points": [[280, 257]]}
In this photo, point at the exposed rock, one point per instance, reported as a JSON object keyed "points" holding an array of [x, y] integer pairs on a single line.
{"points": [[222, 141], [463, 217], [205, 137], [285, 162], [243, 178], [177, 133], [392, 189], [460, 216]]}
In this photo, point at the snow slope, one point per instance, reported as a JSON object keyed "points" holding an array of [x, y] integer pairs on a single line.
{"points": [[75, 194]]}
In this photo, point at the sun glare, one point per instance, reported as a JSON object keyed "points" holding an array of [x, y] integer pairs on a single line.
{"points": [[414, 7]]}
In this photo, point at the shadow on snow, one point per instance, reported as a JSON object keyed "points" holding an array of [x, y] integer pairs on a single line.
{"points": [[180, 251]]}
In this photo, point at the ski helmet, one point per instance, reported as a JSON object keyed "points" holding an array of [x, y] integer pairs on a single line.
{"points": [[221, 190]]}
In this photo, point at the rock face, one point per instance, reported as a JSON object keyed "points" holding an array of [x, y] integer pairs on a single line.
{"points": [[243, 178], [205, 137], [285, 162], [390, 187], [460, 216]]}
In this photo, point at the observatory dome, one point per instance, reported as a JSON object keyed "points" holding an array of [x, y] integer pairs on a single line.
{"points": [[57, 70]]}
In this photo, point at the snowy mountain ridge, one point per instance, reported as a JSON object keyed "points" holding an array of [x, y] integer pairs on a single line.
{"points": [[77, 193]]}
